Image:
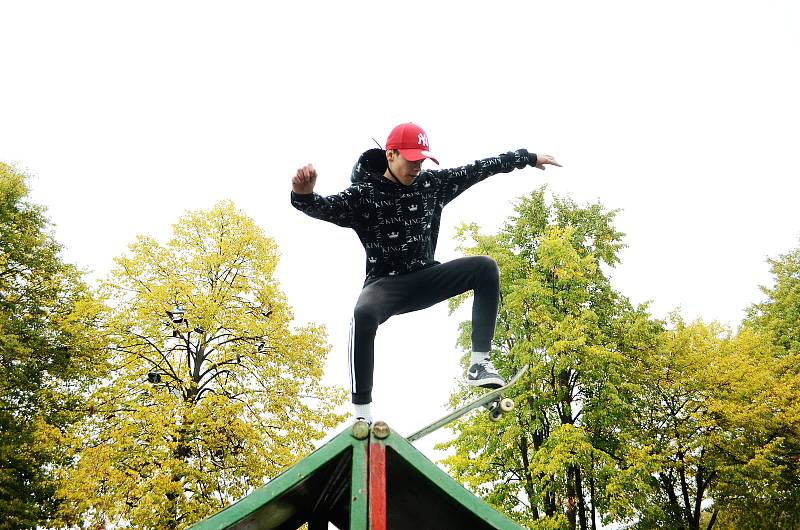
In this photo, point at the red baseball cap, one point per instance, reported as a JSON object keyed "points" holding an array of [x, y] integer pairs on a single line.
{"points": [[411, 141]]}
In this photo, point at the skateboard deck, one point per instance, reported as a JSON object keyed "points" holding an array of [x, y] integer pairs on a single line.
{"points": [[493, 400]]}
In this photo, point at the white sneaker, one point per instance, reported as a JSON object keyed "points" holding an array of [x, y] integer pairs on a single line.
{"points": [[484, 374]]}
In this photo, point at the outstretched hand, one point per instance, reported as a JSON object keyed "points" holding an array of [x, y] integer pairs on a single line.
{"points": [[304, 180], [543, 160]]}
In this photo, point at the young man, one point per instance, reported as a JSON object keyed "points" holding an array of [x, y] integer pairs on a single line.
{"points": [[395, 207]]}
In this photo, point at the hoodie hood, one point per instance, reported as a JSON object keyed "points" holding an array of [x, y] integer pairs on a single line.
{"points": [[370, 164]]}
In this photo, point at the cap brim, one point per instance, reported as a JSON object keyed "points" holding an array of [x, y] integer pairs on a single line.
{"points": [[412, 155]]}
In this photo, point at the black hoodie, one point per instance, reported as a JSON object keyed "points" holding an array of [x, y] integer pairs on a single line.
{"points": [[398, 225]]}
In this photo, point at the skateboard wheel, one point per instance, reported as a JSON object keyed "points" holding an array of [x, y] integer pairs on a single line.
{"points": [[506, 405], [495, 416]]}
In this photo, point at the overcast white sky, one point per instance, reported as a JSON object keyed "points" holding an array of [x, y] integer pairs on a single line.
{"points": [[684, 114]]}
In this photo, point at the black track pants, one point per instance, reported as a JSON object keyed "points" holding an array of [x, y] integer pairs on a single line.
{"points": [[394, 295]]}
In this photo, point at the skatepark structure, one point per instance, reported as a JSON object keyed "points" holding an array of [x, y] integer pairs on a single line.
{"points": [[363, 478]]}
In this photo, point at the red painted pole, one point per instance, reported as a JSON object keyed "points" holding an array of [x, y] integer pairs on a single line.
{"points": [[377, 486]]}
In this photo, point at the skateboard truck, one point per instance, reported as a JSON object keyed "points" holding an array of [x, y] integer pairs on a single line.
{"points": [[500, 407]]}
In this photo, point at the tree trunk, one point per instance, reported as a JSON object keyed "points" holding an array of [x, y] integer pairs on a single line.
{"points": [[581, 498], [572, 511], [698, 496], [550, 505], [565, 398], [688, 512], [591, 492], [526, 473], [674, 505], [713, 519], [565, 416]]}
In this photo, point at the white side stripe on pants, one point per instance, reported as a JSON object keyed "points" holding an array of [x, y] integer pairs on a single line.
{"points": [[350, 354]]}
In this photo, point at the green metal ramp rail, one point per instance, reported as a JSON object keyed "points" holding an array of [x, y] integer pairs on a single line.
{"points": [[361, 479]]}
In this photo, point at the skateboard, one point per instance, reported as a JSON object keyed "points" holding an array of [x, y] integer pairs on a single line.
{"points": [[492, 400]]}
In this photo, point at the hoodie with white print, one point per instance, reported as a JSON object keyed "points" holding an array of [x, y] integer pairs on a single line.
{"points": [[398, 225]]}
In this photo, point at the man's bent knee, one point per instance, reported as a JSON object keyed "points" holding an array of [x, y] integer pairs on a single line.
{"points": [[487, 268], [366, 317]]}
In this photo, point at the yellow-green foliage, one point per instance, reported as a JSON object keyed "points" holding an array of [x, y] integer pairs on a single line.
{"points": [[48, 355], [239, 397], [559, 315], [622, 418]]}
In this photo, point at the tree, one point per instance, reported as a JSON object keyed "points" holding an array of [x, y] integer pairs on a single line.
{"points": [[763, 425], [773, 327], [212, 391], [713, 415], [48, 355], [556, 462], [779, 314], [623, 418], [685, 386]]}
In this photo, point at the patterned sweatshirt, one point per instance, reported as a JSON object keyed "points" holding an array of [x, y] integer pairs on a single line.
{"points": [[398, 225]]}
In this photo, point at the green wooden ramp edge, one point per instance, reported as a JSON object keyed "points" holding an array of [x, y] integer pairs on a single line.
{"points": [[243, 508], [448, 485]]}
